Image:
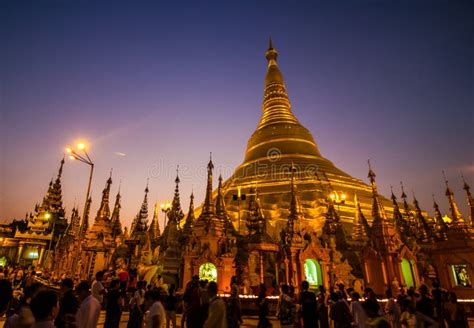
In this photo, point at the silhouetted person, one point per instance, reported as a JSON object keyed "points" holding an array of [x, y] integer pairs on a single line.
{"points": [[455, 314], [45, 308], [340, 313], [68, 305], [137, 306], [307, 301], [216, 317], [285, 308], [113, 310], [262, 304], [323, 316], [171, 302]]}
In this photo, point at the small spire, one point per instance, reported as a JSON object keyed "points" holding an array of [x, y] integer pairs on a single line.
{"points": [[470, 201], [271, 54], [177, 175], [208, 207], [146, 189], [456, 216], [440, 226], [61, 168], [361, 226]]}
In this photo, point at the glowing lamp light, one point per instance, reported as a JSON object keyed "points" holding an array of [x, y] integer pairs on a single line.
{"points": [[68, 150], [332, 196], [343, 196], [81, 146], [72, 157], [47, 216]]}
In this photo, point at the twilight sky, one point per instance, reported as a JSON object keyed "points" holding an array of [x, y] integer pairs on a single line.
{"points": [[167, 82]]}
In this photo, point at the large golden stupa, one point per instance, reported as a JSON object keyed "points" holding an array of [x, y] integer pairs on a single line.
{"points": [[279, 143]]}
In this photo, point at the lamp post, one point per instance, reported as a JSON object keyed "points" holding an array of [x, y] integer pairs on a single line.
{"points": [[165, 208], [83, 158], [338, 198], [48, 216]]}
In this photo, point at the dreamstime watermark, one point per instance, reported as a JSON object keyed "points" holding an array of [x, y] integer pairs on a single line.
{"points": [[272, 167]]}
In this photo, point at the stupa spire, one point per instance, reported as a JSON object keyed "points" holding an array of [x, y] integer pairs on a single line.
{"points": [[382, 232], [470, 201], [115, 218], [104, 211], [208, 207], [361, 228], [400, 223], [220, 205], [424, 230], [141, 220], [190, 218], [176, 213], [456, 216], [276, 106], [441, 227], [378, 212], [75, 224], [85, 223], [154, 229]]}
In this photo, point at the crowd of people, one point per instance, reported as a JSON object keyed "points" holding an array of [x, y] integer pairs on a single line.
{"points": [[26, 301], [345, 308]]}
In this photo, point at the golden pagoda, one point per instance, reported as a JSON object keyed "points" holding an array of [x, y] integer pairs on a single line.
{"points": [[279, 143]]}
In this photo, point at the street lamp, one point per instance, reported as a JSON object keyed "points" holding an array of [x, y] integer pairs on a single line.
{"points": [[165, 208], [83, 158], [48, 216]]}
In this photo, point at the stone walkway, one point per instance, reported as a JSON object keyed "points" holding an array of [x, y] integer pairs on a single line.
{"points": [[249, 321]]}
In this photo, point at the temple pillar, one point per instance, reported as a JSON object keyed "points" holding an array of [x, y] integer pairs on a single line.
{"points": [[262, 273], [41, 255], [277, 273], [20, 252], [287, 271]]}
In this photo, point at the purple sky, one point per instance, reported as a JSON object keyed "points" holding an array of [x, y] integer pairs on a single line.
{"points": [[168, 83]]}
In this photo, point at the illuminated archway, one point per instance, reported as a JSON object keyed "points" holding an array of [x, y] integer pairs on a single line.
{"points": [[313, 273], [407, 271], [208, 271]]}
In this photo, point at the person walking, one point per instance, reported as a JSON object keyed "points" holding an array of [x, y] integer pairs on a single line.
{"points": [[216, 317], [68, 305], [307, 300], [137, 306], [323, 316], [192, 304], [171, 302], [392, 310], [340, 313], [89, 309], [358, 313], [98, 289], [456, 316], [285, 308], [113, 310], [262, 304], [234, 315], [155, 317]]}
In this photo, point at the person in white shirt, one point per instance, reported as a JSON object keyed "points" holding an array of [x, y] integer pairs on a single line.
{"points": [[357, 311], [155, 317], [89, 310], [98, 289]]}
